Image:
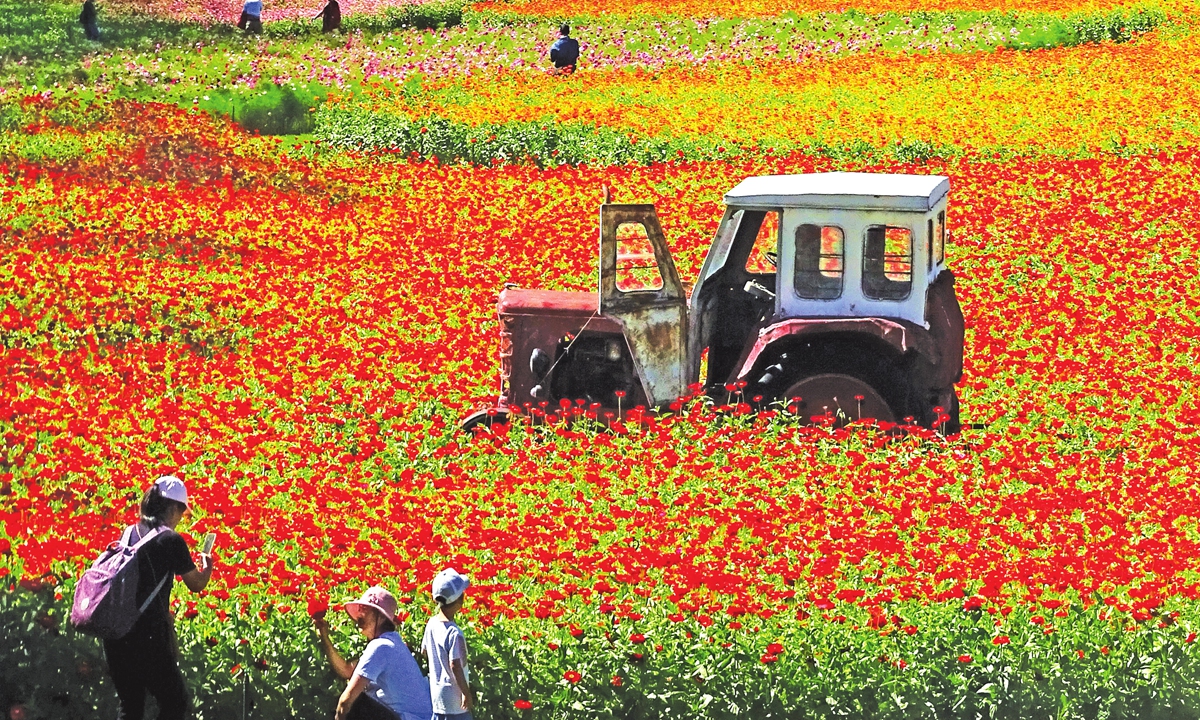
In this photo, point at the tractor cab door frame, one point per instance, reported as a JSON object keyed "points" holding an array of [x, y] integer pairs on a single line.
{"points": [[654, 320]]}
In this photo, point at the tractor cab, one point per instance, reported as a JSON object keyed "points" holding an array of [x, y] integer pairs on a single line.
{"points": [[828, 291], [829, 286]]}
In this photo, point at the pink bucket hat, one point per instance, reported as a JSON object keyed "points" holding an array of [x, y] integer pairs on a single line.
{"points": [[375, 597]]}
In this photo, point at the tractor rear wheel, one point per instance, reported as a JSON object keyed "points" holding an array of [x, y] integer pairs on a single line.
{"points": [[844, 396]]}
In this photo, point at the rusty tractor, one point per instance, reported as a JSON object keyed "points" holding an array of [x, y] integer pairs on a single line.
{"points": [[827, 291]]}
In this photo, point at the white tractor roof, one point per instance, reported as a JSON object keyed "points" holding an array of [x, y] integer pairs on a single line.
{"points": [[865, 191]]}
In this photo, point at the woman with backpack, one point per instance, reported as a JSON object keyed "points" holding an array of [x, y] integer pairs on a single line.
{"points": [[145, 660]]}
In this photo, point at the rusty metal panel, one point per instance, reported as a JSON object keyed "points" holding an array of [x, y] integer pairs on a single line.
{"points": [[532, 319], [654, 321], [656, 339]]}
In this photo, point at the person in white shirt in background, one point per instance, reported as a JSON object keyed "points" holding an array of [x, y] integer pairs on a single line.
{"points": [[385, 683], [446, 648]]}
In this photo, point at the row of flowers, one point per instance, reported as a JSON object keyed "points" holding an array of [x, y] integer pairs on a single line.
{"points": [[1085, 97]]}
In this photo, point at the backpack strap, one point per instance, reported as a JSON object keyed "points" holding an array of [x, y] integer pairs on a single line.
{"points": [[149, 536], [128, 536], [152, 595]]}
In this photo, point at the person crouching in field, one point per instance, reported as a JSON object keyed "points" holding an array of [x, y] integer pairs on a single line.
{"points": [[446, 649], [564, 53], [145, 660], [385, 683]]}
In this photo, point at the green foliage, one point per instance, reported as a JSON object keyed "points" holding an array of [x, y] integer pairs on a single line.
{"points": [[544, 143], [427, 15], [50, 31], [549, 143], [1092, 665], [1119, 26], [1081, 28], [42, 147], [269, 109], [60, 674]]}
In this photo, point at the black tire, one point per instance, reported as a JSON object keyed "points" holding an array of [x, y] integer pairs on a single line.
{"points": [[483, 418], [874, 366]]}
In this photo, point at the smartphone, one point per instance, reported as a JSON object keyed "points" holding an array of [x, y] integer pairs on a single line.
{"points": [[209, 540]]}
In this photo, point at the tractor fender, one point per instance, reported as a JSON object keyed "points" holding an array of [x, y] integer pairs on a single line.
{"points": [[900, 334]]}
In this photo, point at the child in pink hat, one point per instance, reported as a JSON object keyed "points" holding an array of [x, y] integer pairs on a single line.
{"points": [[385, 683]]}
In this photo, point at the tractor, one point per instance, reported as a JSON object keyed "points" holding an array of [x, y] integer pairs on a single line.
{"points": [[826, 291]]}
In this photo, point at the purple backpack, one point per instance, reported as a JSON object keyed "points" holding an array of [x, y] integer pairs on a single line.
{"points": [[105, 601]]}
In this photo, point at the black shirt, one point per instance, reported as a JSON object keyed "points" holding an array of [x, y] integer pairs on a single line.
{"points": [[166, 554]]}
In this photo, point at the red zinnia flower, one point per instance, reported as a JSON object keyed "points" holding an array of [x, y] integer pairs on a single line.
{"points": [[572, 676], [522, 705]]}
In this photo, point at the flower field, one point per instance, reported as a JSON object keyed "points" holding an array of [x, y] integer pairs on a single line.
{"points": [[296, 329]]}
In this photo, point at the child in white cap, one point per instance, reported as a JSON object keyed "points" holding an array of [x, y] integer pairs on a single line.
{"points": [[385, 683], [446, 649]]}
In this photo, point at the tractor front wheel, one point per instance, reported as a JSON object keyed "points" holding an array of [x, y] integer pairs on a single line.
{"points": [[845, 397], [483, 418]]}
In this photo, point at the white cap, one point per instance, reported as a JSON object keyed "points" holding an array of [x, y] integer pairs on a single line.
{"points": [[172, 488], [449, 585]]}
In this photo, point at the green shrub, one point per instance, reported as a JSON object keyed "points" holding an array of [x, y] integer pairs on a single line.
{"points": [[1119, 26], [268, 109], [545, 143], [550, 143]]}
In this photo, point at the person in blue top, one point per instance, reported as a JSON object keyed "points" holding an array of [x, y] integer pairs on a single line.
{"points": [[251, 19], [565, 52], [385, 683]]}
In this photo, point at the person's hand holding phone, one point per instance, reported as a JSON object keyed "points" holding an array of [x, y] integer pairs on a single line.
{"points": [[206, 554]]}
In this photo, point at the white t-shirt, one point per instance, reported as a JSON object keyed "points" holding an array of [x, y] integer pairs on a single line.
{"points": [[442, 643], [393, 677]]}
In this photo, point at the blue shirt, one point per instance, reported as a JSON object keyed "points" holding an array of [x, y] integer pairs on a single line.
{"points": [[253, 8], [564, 52], [393, 677]]}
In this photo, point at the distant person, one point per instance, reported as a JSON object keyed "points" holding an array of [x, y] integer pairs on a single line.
{"points": [[331, 16], [251, 19], [385, 683], [446, 648], [145, 660], [565, 52], [87, 18]]}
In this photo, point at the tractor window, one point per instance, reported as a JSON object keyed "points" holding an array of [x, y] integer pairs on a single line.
{"points": [[637, 268], [939, 239], [820, 253], [887, 262], [764, 254]]}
